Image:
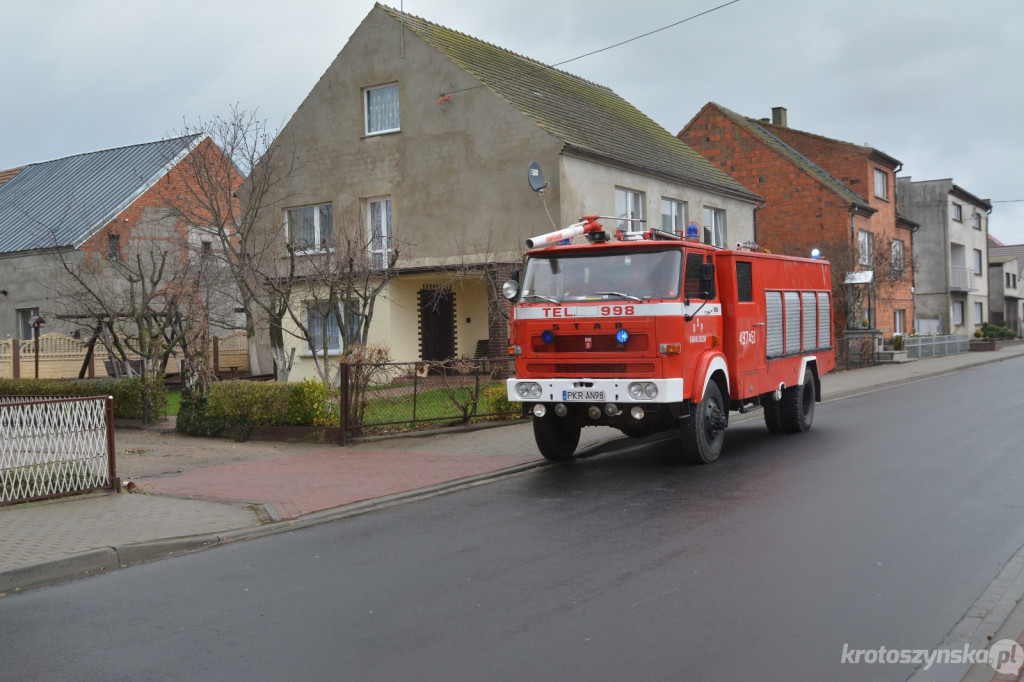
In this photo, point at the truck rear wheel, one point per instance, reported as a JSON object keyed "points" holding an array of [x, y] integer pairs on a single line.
{"points": [[798, 405], [703, 432], [556, 438]]}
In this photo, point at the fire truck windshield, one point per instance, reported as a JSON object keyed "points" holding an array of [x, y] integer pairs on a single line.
{"points": [[631, 275]]}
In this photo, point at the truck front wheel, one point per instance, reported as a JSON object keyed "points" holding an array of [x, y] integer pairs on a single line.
{"points": [[703, 432], [556, 438], [798, 405]]}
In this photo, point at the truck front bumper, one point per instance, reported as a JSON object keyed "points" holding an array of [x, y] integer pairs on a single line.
{"points": [[592, 391]]}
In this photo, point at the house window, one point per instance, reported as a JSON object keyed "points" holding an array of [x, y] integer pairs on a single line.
{"points": [[976, 220], [977, 261], [311, 227], [315, 322], [381, 232], [958, 213], [979, 313], [898, 321], [114, 246], [673, 215], [897, 257], [629, 206], [865, 242], [25, 316], [958, 312], [714, 227], [381, 108], [881, 184]]}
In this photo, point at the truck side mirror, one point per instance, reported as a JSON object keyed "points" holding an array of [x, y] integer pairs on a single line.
{"points": [[707, 281]]}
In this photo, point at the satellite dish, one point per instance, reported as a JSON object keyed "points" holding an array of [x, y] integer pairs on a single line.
{"points": [[535, 177]]}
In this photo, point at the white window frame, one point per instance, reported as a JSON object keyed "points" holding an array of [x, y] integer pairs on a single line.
{"points": [[714, 226], [630, 203], [958, 313], [374, 127], [673, 215], [881, 184], [957, 212], [978, 261], [314, 320], [898, 262], [865, 243], [979, 312], [25, 316], [380, 236], [976, 220], [899, 322], [323, 235]]}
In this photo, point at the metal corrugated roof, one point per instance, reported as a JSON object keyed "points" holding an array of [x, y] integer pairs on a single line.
{"points": [[64, 202]]}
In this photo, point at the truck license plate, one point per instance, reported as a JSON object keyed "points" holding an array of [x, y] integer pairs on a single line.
{"points": [[582, 395]]}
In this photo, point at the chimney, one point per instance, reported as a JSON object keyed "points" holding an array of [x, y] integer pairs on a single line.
{"points": [[779, 116]]}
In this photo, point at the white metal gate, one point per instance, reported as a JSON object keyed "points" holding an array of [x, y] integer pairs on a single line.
{"points": [[51, 447]]}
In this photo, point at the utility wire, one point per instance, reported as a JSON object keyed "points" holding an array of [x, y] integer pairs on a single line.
{"points": [[446, 95]]}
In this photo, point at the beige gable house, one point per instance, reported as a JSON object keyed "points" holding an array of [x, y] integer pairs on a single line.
{"points": [[422, 136]]}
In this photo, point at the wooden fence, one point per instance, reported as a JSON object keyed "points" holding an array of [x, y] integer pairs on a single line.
{"points": [[61, 357]]}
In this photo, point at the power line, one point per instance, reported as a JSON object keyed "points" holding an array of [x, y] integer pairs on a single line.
{"points": [[446, 95]]}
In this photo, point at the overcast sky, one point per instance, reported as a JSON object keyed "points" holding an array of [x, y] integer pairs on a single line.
{"points": [[936, 84]]}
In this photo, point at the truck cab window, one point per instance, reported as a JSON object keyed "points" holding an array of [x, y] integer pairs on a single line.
{"points": [[744, 282]]}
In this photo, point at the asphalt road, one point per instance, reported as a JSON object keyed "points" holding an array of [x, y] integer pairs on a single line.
{"points": [[880, 527]]}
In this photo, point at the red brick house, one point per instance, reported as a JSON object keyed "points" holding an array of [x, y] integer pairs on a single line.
{"points": [[94, 209], [821, 194]]}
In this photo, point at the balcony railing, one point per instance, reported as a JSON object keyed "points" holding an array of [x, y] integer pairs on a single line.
{"points": [[961, 279]]}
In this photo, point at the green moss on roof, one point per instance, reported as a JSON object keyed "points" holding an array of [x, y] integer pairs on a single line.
{"points": [[590, 119]]}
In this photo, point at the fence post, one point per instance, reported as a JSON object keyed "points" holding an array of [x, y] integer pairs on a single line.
{"points": [[115, 482], [216, 356], [15, 358], [343, 403]]}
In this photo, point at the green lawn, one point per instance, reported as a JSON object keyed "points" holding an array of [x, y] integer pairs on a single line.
{"points": [[173, 402]]}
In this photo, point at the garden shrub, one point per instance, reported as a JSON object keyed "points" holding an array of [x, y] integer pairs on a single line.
{"points": [[238, 406], [494, 400], [127, 393]]}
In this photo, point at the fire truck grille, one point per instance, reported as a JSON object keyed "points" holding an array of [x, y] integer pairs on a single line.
{"points": [[592, 369], [605, 343]]}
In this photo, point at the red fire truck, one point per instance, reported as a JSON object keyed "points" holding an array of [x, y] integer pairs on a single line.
{"points": [[652, 331]]}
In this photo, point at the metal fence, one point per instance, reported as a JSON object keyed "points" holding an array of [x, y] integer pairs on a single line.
{"points": [[935, 346], [402, 396], [50, 447]]}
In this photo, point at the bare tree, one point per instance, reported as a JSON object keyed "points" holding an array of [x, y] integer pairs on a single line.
{"points": [[338, 282], [232, 189]]}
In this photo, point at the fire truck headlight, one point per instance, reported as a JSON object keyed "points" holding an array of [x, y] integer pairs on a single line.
{"points": [[510, 289], [539, 410], [561, 410], [643, 390], [622, 336], [547, 336], [528, 389], [636, 412]]}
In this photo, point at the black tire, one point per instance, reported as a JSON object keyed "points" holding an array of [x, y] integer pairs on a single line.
{"points": [[703, 432], [798, 405], [556, 438], [772, 413]]}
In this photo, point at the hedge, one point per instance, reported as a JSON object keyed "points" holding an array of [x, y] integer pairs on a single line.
{"points": [[237, 406], [127, 393]]}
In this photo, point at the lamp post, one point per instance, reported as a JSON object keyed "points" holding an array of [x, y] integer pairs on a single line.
{"points": [[36, 323]]}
